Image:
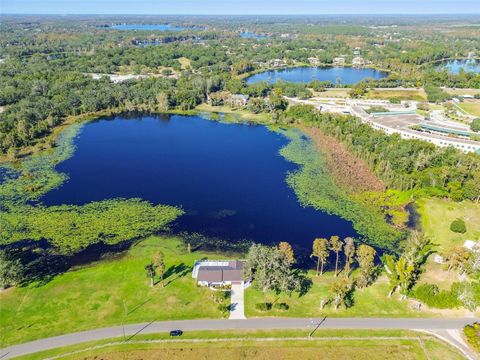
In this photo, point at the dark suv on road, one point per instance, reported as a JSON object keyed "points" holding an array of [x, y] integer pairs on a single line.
{"points": [[176, 333]]}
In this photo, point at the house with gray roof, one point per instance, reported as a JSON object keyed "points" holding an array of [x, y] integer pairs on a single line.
{"points": [[218, 272]]}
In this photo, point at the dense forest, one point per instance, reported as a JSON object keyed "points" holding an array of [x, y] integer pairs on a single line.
{"points": [[47, 64], [401, 164]]}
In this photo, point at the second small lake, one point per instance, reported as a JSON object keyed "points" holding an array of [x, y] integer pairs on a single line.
{"points": [[455, 66], [229, 178], [337, 75]]}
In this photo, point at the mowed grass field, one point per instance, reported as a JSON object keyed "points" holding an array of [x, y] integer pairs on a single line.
{"points": [[372, 301], [452, 91], [407, 94], [333, 93], [237, 113], [109, 292], [471, 107], [438, 214], [381, 94], [273, 344], [436, 217]]}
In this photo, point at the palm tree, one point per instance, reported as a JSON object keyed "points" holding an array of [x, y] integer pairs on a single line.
{"points": [[320, 251], [151, 270], [349, 254], [336, 245]]}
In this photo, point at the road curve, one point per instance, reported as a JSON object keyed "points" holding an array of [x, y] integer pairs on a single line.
{"points": [[259, 323]]}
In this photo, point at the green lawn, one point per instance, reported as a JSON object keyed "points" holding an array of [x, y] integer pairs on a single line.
{"points": [[416, 95], [333, 93], [436, 217], [239, 114], [358, 344], [370, 302], [471, 107], [438, 214], [452, 91], [108, 293]]}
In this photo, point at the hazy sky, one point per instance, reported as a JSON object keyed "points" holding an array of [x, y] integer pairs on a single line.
{"points": [[239, 7]]}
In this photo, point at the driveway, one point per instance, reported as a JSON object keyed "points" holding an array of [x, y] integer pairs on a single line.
{"points": [[237, 304]]}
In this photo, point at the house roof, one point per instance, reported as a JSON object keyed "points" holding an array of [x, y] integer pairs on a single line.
{"points": [[232, 272]]}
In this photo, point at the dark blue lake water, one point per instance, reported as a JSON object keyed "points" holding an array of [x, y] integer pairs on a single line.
{"points": [[454, 66], [152, 27], [340, 75], [229, 178]]}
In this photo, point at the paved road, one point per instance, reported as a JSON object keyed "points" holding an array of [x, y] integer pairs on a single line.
{"points": [[262, 323]]}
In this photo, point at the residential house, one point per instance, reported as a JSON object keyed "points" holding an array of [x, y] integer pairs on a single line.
{"points": [[238, 100], [218, 272], [339, 61]]}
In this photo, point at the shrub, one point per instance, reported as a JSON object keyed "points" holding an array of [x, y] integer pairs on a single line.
{"points": [[475, 125], [281, 306], [376, 109], [263, 306], [458, 226], [224, 308], [430, 295], [425, 291], [435, 94], [472, 333]]}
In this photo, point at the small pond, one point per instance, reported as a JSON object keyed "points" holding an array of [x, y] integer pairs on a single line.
{"points": [[455, 66], [337, 75], [252, 35], [229, 178]]}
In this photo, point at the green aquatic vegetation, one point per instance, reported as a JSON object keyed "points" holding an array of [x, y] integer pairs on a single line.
{"points": [[70, 228], [314, 187], [67, 228], [34, 176]]}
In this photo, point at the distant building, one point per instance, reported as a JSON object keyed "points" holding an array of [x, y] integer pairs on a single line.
{"points": [[218, 272], [277, 63], [239, 100], [358, 61], [471, 245], [339, 61]]}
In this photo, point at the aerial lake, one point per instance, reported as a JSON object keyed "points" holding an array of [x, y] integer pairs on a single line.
{"points": [[252, 35], [341, 75], [454, 66], [229, 178]]}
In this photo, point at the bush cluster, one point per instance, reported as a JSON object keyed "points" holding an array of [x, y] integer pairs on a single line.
{"points": [[281, 306], [458, 226], [430, 295], [263, 306], [472, 333]]}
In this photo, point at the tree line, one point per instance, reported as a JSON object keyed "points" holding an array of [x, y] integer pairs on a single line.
{"points": [[402, 164]]}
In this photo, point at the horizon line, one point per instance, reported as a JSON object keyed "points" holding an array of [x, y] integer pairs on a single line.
{"points": [[232, 14]]}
